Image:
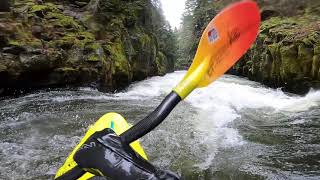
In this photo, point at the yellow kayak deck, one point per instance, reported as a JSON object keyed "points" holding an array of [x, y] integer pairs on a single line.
{"points": [[110, 120]]}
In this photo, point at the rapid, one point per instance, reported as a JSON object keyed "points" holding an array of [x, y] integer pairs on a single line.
{"points": [[233, 129]]}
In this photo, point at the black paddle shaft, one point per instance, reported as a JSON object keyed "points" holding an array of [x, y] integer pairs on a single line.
{"points": [[152, 120]]}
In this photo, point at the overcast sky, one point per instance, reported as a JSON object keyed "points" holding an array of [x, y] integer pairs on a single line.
{"points": [[173, 10]]}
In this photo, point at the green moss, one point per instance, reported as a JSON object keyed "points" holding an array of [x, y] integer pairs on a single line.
{"points": [[275, 22], [63, 20], [44, 8], [273, 48], [70, 37], [32, 42], [276, 59], [36, 8], [316, 50], [305, 53], [85, 36], [298, 28], [79, 39], [161, 62], [93, 46], [144, 40], [3, 68], [290, 65], [93, 58], [315, 66], [14, 43], [117, 54]]}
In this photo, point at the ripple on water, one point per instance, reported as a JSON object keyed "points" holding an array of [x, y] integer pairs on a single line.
{"points": [[232, 129]]}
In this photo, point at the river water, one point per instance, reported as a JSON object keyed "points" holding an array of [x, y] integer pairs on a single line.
{"points": [[233, 129]]}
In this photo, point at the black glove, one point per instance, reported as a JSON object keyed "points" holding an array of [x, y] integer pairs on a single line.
{"points": [[103, 154]]}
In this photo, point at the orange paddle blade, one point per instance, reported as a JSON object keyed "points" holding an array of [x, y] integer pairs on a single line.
{"points": [[227, 37]]}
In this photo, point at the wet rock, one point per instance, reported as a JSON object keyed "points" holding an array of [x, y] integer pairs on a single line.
{"points": [[268, 13], [16, 50], [81, 4], [39, 2], [36, 31]]}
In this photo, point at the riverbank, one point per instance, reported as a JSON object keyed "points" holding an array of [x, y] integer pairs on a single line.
{"points": [[97, 43]]}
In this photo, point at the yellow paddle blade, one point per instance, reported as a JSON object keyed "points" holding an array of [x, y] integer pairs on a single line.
{"points": [[226, 38]]}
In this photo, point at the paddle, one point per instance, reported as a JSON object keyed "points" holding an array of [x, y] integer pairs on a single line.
{"points": [[226, 38]]}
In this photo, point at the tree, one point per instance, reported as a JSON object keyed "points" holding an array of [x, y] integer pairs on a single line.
{"points": [[196, 16]]}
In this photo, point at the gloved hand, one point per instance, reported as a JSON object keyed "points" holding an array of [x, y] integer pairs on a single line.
{"points": [[103, 154]]}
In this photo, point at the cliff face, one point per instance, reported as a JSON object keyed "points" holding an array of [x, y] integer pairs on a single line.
{"points": [[103, 43], [286, 53]]}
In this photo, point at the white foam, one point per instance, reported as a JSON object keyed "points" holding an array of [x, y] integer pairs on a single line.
{"points": [[299, 121], [219, 104], [230, 94], [152, 87]]}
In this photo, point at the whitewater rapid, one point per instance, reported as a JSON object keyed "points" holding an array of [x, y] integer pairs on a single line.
{"points": [[234, 128], [216, 106]]}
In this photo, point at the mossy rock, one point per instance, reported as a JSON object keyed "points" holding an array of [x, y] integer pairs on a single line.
{"points": [[78, 39], [162, 63], [93, 58], [59, 19], [305, 56], [3, 68], [316, 50], [42, 9], [75, 43], [315, 66], [65, 75], [290, 67], [96, 53], [92, 47], [119, 59]]}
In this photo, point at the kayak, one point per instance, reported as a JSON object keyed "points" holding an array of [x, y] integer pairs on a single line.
{"points": [[111, 120]]}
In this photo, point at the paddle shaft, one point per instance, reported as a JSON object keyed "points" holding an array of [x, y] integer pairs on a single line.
{"points": [[152, 120]]}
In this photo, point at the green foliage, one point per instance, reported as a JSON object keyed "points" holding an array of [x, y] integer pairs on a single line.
{"points": [[63, 20], [195, 17], [161, 62], [119, 58]]}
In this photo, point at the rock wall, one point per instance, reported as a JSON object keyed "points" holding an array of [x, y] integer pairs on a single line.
{"points": [[102, 43]]}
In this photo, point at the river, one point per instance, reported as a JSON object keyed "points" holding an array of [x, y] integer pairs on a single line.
{"points": [[233, 129]]}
